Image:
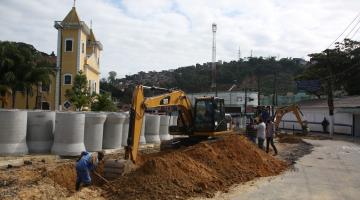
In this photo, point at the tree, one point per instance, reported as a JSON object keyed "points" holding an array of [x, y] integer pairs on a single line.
{"points": [[41, 76], [337, 69], [79, 94], [112, 77], [22, 67], [103, 102], [37, 74]]}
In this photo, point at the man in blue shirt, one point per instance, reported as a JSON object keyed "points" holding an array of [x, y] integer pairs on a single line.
{"points": [[86, 163]]}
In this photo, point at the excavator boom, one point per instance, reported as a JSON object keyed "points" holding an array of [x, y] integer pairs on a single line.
{"points": [[280, 112], [140, 104]]}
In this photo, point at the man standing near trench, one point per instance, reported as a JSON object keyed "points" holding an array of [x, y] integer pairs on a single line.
{"points": [[86, 163], [270, 131], [250, 131]]}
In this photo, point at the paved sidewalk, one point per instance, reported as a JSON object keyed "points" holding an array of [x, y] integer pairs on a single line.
{"points": [[331, 171]]}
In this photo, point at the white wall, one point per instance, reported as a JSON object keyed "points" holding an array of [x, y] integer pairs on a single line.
{"points": [[315, 116], [234, 98]]}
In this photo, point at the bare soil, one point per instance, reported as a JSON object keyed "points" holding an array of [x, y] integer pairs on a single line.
{"points": [[195, 171], [198, 170]]}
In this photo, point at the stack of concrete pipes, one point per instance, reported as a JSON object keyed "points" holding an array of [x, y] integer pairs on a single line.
{"points": [[70, 133]]}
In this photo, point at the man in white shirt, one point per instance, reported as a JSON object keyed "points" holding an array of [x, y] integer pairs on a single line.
{"points": [[260, 133]]}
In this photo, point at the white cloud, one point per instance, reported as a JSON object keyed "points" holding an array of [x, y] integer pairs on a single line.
{"points": [[147, 35]]}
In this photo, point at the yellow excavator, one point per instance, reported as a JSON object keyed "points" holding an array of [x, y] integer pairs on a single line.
{"points": [[205, 119], [280, 112], [295, 109]]}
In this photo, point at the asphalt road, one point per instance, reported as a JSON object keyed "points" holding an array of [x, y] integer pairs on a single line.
{"points": [[331, 171]]}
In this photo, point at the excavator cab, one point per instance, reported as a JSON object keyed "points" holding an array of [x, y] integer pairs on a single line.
{"points": [[209, 115]]}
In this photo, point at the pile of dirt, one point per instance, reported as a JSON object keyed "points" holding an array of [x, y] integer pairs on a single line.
{"points": [[199, 170], [292, 139], [64, 175], [29, 182]]}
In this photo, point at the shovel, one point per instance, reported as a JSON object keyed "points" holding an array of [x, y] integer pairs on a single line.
{"points": [[106, 181]]}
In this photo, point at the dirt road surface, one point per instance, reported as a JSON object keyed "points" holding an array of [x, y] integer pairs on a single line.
{"points": [[330, 171]]}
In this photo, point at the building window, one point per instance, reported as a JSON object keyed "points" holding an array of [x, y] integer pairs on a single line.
{"points": [[45, 87], [67, 79], [45, 105], [89, 85], [82, 47], [68, 45], [95, 86]]}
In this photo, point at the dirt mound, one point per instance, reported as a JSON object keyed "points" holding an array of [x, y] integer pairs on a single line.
{"points": [[199, 170], [292, 139], [64, 175]]}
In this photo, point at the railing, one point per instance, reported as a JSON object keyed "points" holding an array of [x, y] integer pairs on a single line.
{"points": [[317, 127]]}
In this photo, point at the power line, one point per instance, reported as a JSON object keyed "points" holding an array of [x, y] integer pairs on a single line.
{"points": [[353, 28], [344, 30], [355, 32]]}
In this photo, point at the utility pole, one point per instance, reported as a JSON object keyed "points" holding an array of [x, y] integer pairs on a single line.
{"points": [[258, 89], [330, 95], [245, 100], [274, 100], [239, 54], [214, 78]]}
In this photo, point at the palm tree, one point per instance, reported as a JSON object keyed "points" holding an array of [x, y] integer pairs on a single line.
{"points": [[10, 57], [37, 73], [41, 75], [22, 67]]}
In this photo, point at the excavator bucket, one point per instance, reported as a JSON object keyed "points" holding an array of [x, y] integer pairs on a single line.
{"points": [[114, 168]]}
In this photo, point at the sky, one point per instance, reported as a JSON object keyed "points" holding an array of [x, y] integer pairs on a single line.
{"points": [[155, 35]]}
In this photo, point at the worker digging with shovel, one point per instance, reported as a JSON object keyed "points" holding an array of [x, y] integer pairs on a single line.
{"points": [[84, 165]]}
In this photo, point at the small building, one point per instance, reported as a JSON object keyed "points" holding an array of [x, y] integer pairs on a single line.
{"points": [[346, 115], [287, 99]]}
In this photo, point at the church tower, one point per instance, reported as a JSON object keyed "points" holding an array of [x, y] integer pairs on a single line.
{"points": [[77, 50]]}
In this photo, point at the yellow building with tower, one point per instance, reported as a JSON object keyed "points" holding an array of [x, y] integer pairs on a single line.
{"points": [[77, 50]]}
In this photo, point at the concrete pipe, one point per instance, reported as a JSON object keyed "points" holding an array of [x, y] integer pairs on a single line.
{"points": [[125, 130], [69, 134], [142, 135], [152, 129], [113, 130], [94, 127], [13, 132], [164, 127], [173, 120], [40, 131]]}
